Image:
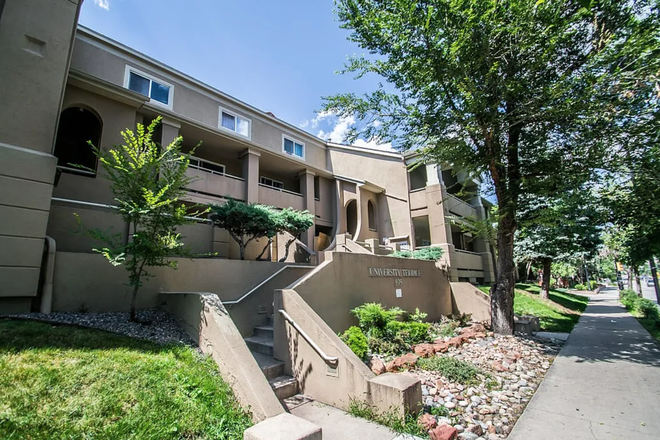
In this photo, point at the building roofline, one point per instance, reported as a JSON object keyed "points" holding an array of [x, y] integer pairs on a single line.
{"points": [[266, 115], [393, 154]]}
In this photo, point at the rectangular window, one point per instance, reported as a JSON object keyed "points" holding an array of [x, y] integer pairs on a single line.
{"points": [[204, 165], [158, 91], [293, 147], [270, 182], [317, 188], [235, 123]]}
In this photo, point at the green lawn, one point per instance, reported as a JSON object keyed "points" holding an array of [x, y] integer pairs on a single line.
{"points": [[558, 314], [651, 325], [60, 382]]}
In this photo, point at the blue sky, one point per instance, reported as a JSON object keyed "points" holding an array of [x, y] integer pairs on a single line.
{"points": [[277, 55]]}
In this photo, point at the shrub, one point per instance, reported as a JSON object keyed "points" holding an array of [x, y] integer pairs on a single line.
{"points": [[408, 332], [373, 316], [356, 341], [580, 287], [417, 316], [390, 418], [593, 285], [455, 370], [382, 346], [648, 309], [429, 253]]}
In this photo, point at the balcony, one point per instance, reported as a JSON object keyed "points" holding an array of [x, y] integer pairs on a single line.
{"points": [[418, 199], [280, 198], [458, 207], [212, 183], [466, 260]]}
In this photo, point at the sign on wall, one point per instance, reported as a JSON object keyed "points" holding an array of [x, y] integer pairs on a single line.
{"points": [[397, 274]]}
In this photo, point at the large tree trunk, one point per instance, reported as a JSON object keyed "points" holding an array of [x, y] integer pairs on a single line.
{"points": [[270, 240], [638, 281], [241, 250], [501, 298], [133, 301], [545, 283]]}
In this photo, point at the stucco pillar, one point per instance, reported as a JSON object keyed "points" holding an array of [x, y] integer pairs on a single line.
{"points": [[432, 174], [36, 39], [251, 175], [307, 190], [436, 213], [169, 131]]}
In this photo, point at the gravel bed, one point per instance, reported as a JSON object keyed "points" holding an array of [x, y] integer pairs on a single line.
{"points": [[155, 325]]}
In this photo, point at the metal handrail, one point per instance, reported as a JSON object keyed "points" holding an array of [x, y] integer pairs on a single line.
{"points": [[251, 291], [293, 193], [331, 361]]}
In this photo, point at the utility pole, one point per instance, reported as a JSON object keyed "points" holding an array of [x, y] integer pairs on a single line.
{"points": [[654, 274]]}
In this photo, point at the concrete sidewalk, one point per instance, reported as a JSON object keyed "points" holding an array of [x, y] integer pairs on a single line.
{"points": [[604, 384]]}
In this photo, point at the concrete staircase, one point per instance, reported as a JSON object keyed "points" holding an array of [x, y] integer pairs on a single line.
{"points": [[261, 345]]}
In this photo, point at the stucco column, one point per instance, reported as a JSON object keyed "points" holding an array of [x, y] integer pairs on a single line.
{"points": [[169, 131], [251, 175], [36, 39], [432, 174], [307, 190], [436, 213]]}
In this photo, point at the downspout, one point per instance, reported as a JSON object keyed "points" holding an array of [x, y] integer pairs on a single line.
{"points": [[47, 288]]}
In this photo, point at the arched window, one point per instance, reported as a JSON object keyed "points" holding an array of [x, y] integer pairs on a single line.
{"points": [[371, 214], [77, 126], [351, 218]]}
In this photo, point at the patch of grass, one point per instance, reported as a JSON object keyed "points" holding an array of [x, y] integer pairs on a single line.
{"points": [[391, 419], [559, 313], [644, 310], [455, 370], [61, 382], [651, 325]]}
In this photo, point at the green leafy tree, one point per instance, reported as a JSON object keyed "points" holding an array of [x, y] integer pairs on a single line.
{"points": [[295, 223], [246, 222], [517, 90], [147, 181], [564, 228]]}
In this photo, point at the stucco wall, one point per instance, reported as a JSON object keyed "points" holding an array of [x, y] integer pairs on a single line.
{"points": [[342, 283], [89, 282]]}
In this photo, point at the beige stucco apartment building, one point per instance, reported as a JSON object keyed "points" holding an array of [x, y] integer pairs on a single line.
{"points": [[63, 84]]}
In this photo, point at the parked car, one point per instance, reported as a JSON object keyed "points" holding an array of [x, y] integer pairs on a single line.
{"points": [[649, 282]]}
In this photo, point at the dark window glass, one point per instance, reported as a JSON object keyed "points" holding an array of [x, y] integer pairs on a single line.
{"points": [[228, 121], [77, 126], [138, 84], [213, 167], [160, 92], [317, 189]]}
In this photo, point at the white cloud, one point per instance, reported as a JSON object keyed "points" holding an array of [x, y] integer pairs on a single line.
{"points": [[304, 124], [341, 127], [322, 117], [103, 4]]}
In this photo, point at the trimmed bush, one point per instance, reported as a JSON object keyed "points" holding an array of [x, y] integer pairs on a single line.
{"points": [[409, 332], [580, 287], [455, 370], [593, 285], [429, 253], [356, 341], [373, 317]]}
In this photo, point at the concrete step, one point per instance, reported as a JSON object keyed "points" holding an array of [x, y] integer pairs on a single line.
{"points": [[264, 331], [269, 366], [284, 386], [260, 345]]}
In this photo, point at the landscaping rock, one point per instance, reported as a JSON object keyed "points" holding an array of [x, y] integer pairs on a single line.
{"points": [[424, 350], [443, 432], [427, 422], [406, 361], [377, 366]]}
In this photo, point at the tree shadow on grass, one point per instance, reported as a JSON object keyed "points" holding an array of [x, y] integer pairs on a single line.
{"points": [[20, 334]]}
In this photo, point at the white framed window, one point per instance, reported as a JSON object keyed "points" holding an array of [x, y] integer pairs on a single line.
{"points": [[267, 181], [293, 147], [158, 91], [228, 120], [205, 165]]}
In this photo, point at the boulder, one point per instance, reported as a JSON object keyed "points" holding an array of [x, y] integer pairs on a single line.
{"points": [[406, 361], [427, 422], [443, 432], [424, 350], [377, 366], [440, 346], [475, 331]]}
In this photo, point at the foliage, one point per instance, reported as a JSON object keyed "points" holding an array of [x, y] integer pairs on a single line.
{"points": [[535, 95], [384, 346], [453, 369], [593, 285], [580, 287], [427, 253], [62, 382], [356, 341], [373, 317], [295, 223], [409, 332], [417, 316], [391, 418], [147, 180], [246, 222], [643, 309]]}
